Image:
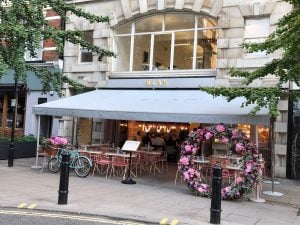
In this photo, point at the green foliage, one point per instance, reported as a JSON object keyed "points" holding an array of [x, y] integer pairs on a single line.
{"points": [[285, 38], [23, 27], [29, 137]]}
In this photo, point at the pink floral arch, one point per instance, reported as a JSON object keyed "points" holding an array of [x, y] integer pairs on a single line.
{"points": [[240, 144]]}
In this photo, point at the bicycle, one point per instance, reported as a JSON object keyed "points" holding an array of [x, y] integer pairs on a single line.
{"points": [[82, 165]]}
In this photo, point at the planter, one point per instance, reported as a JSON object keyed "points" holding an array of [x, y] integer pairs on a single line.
{"points": [[24, 149]]}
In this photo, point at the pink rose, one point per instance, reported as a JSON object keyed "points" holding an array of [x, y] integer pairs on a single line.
{"points": [[208, 135], [186, 176], [184, 161], [239, 180], [194, 150], [239, 147], [225, 140], [188, 148], [200, 189], [220, 128]]}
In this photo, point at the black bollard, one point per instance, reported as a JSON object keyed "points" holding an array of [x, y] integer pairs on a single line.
{"points": [[215, 209], [64, 179]]}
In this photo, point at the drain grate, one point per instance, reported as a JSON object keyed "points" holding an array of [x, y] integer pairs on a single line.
{"points": [[298, 213]]}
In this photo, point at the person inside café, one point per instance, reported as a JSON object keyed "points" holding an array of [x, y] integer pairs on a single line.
{"points": [[138, 136], [158, 142], [146, 139]]}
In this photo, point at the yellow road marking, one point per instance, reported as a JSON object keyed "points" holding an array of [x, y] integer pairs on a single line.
{"points": [[74, 217], [22, 205], [31, 206], [174, 222], [163, 221]]}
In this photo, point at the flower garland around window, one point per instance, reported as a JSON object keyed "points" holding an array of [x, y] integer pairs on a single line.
{"points": [[240, 144]]}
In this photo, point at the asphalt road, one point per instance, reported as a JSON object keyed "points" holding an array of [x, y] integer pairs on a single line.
{"points": [[35, 217]]}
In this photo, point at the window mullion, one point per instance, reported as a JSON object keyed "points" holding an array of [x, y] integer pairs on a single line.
{"points": [[151, 52], [131, 46], [172, 50], [195, 43]]}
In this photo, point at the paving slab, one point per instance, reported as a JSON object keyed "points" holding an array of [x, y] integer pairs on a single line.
{"points": [[153, 197]]}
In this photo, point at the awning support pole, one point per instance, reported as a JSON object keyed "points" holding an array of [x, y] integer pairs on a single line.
{"points": [[37, 144]]}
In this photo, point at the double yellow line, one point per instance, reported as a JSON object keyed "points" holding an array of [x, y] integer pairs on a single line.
{"points": [[164, 221], [66, 216], [25, 205]]}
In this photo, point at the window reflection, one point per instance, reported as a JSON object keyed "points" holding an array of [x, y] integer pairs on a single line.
{"points": [[20, 111], [183, 50], [149, 24], [141, 52], [121, 63], [162, 31], [179, 21], [162, 51], [206, 51]]}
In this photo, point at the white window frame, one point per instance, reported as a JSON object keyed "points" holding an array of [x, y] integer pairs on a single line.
{"points": [[250, 36], [39, 54], [83, 50], [172, 32]]}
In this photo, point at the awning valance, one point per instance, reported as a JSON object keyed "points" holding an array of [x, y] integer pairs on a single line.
{"points": [[153, 105]]}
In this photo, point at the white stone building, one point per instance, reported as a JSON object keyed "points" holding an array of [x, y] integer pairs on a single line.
{"points": [[176, 44]]}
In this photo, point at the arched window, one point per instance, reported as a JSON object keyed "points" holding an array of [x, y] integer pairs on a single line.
{"points": [[166, 42]]}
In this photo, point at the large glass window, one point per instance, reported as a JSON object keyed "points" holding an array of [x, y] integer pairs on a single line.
{"points": [[161, 51], [256, 31], [141, 52], [86, 55], [183, 50], [166, 42], [121, 63]]}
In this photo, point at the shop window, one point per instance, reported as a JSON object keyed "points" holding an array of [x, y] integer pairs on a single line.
{"points": [[86, 55], [152, 24], [141, 52], [256, 31], [20, 104], [166, 42], [179, 21], [97, 126], [161, 51], [121, 63]]}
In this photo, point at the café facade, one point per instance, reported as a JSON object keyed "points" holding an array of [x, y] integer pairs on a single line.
{"points": [[165, 50]]}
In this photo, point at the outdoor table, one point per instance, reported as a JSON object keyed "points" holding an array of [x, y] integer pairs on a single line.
{"points": [[236, 169]]}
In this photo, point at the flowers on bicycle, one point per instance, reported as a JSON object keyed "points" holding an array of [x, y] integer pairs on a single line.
{"points": [[58, 141]]}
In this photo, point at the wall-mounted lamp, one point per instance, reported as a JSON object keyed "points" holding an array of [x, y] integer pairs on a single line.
{"points": [[51, 93]]}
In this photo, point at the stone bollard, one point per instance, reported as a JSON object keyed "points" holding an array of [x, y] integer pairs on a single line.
{"points": [[215, 209], [64, 179]]}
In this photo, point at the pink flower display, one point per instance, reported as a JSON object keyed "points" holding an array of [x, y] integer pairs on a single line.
{"points": [[184, 161], [220, 128], [246, 179], [58, 141], [188, 148], [208, 135]]}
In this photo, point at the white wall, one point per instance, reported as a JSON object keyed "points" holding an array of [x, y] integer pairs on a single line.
{"points": [[30, 118]]}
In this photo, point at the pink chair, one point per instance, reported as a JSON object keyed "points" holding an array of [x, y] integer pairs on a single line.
{"points": [[102, 163], [119, 166]]}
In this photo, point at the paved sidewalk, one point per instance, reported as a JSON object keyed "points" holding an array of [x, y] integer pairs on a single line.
{"points": [[150, 200]]}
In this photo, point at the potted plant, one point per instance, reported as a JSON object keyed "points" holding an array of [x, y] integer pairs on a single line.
{"points": [[25, 146]]}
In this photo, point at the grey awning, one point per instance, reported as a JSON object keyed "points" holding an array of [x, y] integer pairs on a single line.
{"points": [[153, 105]]}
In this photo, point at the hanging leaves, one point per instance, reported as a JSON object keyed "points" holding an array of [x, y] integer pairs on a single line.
{"points": [[286, 39], [23, 27]]}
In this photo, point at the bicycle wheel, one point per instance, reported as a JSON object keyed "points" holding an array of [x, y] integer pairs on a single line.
{"points": [[54, 165], [82, 167]]}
